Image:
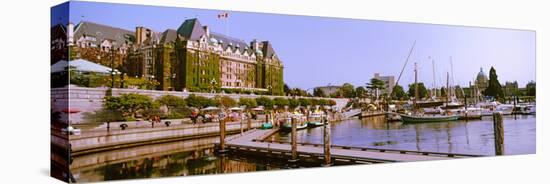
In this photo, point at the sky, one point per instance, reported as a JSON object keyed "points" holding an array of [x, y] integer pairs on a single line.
{"points": [[317, 51]]}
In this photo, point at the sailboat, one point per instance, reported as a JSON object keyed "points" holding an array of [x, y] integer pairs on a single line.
{"points": [[417, 117]]}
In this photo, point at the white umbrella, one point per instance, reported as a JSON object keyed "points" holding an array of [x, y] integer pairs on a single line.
{"points": [[81, 65], [236, 109], [210, 108]]}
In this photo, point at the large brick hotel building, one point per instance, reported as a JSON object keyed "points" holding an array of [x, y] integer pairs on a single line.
{"points": [[192, 57]]}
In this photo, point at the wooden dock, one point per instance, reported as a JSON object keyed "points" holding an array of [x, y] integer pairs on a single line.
{"points": [[254, 141]]}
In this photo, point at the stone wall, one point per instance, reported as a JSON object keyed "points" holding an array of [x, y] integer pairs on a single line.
{"points": [[91, 99], [117, 138]]}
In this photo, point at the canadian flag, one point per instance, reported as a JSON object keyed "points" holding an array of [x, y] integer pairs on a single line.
{"points": [[223, 15]]}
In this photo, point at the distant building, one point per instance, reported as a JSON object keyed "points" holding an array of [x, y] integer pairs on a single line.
{"points": [[388, 80], [482, 82], [329, 90], [510, 88]]}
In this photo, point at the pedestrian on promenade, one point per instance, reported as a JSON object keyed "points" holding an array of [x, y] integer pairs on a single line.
{"points": [[194, 115]]}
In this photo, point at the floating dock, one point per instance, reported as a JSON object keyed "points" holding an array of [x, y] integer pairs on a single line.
{"points": [[253, 141]]}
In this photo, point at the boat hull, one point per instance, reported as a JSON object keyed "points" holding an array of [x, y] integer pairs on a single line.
{"points": [[426, 119], [469, 117], [288, 127], [314, 124], [266, 126]]}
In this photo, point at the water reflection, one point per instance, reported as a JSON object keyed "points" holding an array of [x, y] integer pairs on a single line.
{"points": [[178, 159], [468, 137], [198, 157]]}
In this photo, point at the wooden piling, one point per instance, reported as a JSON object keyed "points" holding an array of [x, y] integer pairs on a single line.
{"points": [[294, 145], [222, 135], [249, 122], [326, 140], [241, 123], [499, 133]]}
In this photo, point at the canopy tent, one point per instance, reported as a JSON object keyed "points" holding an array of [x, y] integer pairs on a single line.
{"points": [[259, 108], [210, 108], [81, 65], [236, 109]]}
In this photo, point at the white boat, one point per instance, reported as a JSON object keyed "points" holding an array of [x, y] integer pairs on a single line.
{"points": [[315, 119], [470, 113], [487, 108], [505, 109], [525, 109]]}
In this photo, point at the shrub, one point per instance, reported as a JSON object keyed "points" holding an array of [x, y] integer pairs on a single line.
{"points": [[265, 101], [103, 115], [199, 101], [293, 103], [304, 102], [225, 101], [323, 102], [331, 102], [280, 102], [129, 104], [171, 102], [248, 102]]}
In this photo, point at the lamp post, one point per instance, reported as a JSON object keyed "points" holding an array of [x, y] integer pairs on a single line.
{"points": [[173, 82], [152, 80], [269, 89], [212, 83]]}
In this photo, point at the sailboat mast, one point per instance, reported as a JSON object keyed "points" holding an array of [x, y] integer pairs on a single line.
{"points": [[452, 79], [434, 91], [448, 90], [403, 68], [415, 86]]}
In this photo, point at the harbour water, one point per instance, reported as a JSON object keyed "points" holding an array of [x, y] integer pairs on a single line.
{"points": [[197, 157], [466, 137]]}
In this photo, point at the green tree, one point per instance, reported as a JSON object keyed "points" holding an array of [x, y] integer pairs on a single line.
{"points": [[323, 102], [172, 102], [494, 88], [399, 93], [286, 89], [199, 101], [531, 88], [360, 92], [318, 92], [103, 115], [422, 91], [304, 102], [265, 101], [225, 101], [348, 90], [332, 102], [443, 91], [293, 103], [376, 85], [313, 101], [248, 102], [280, 102], [129, 104]]}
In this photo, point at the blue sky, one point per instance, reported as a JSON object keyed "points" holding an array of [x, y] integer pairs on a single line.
{"points": [[317, 51]]}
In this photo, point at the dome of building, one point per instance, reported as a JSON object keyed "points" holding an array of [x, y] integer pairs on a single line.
{"points": [[481, 79]]}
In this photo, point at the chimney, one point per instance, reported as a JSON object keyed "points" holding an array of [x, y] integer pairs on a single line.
{"points": [[140, 35], [254, 44], [70, 34], [206, 30]]}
